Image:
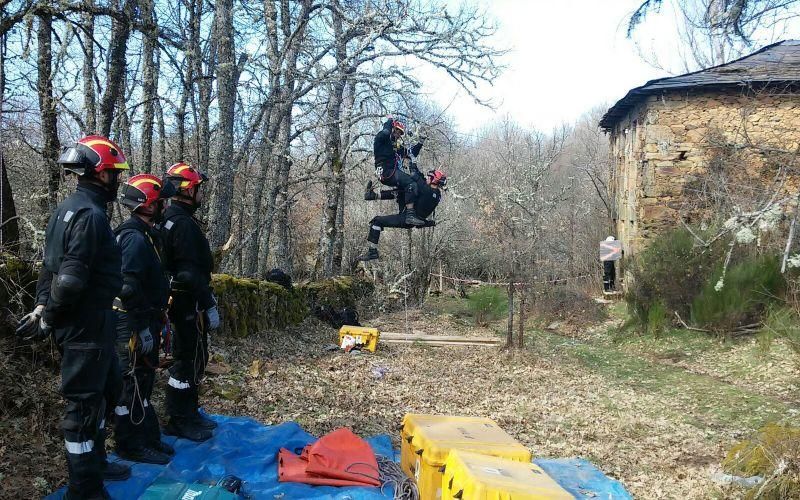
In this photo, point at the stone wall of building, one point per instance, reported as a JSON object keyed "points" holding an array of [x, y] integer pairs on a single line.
{"points": [[667, 146]]}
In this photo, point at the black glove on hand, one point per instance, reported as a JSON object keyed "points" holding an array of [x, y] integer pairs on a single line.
{"points": [[32, 326]]}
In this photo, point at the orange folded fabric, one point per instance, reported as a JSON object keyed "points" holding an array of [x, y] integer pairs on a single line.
{"points": [[339, 458]]}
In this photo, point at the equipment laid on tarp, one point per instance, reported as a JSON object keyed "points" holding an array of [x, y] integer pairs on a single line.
{"points": [[482, 477], [249, 450], [426, 440], [358, 337], [163, 489], [339, 458]]}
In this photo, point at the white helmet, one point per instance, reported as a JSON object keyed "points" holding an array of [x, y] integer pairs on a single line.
{"points": [[610, 238]]}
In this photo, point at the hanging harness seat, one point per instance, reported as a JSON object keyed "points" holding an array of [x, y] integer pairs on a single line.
{"points": [[339, 458]]}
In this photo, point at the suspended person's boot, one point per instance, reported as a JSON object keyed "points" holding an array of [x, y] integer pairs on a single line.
{"points": [[412, 219], [370, 194], [186, 429], [372, 254], [145, 456]]}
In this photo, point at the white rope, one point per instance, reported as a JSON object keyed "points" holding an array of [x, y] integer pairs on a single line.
{"points": [[392, 475], [496, 283]]}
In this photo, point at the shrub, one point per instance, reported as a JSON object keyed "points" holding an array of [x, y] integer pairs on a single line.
{"points": [[570, 304], [665, 278], [749, 287], [773, 453], [487, 303]]}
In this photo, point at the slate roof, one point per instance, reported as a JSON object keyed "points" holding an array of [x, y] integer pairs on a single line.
{"points": [[779, 62]]}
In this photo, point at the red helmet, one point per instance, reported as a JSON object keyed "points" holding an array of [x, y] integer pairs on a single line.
{"points": [[92, 154], [144, 190], [437, 177], [184, 176], [399, 125]]}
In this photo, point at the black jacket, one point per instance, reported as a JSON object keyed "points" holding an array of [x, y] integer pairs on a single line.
{"points": [[187, 255], [79, 244], [145, 287], [427, 199], [387, 153]]}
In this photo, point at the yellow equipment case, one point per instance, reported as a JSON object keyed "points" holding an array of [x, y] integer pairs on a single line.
{"points": [[481, 477], [426, 441], [366, 338]]}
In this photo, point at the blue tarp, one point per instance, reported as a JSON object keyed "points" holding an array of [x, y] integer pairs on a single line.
{"points": [[246, 448]]}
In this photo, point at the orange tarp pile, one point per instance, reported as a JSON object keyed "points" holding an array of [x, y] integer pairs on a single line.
{"points": [[339, 458]]}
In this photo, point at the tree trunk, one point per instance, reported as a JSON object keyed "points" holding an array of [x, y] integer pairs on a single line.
{"points": [[162, 138], [521, 324], [180, 118], [47, 109], [115, 69], [122, 125], [9, 226], [510, 325], [149, 83], [89, 99], [220, 210], [333, 150], [203, 132], [338, 244], [283, 250]]}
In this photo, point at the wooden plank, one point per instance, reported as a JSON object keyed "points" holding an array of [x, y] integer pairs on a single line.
{"points": [[439, 344], [437, 338]]}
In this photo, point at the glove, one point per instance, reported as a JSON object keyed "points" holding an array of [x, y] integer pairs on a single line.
{"points": [[213, 318], [29, 323], [145, 344]]}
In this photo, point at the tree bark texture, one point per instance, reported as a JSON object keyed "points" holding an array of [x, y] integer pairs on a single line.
{"points": [[89, 97], [116, 68], [47, 109], [220, 211], [149, 82]]}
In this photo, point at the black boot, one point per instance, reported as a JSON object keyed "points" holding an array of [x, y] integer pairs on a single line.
{"points": [[115, 471], [145, 456], [412, 219], [162, 447], [100, 495], [372, 254], [204, 423], [186, 429], [369, 194]]}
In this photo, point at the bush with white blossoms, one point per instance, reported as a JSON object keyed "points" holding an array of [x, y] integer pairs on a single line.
{"points": [[745, 236]]}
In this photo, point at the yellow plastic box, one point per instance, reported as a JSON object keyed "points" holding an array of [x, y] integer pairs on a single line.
{"points": [[426, 441], [366, 338], [473, 476]]}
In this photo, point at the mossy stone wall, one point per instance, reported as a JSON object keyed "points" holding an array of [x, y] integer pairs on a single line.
{"points": [[246, 305]]}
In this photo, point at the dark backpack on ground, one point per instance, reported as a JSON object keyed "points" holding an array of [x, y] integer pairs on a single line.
{"points": [[281, 278], [337, 317]]}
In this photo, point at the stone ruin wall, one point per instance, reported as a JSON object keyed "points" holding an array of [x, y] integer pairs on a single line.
{"points": [[665, 144]]}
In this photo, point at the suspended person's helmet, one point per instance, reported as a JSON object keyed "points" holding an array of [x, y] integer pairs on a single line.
{"points": [[399, 125], [610, 238], [185, 176], [437, 177], [91, 155], [144, 190]]}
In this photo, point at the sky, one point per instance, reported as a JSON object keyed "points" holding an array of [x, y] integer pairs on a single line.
{"points": [[566, 57]]}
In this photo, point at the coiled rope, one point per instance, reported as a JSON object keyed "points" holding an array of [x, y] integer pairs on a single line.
{"points": [[391, 475]]}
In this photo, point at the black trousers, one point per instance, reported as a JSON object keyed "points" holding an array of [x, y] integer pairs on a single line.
{"points": [[377, 224], [609, 276], [135, 420], [190, 352], [91, 384], [406, 185]]}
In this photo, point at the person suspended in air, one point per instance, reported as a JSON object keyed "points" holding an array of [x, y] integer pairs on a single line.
{"points": [[390, 154], [428, 195]]}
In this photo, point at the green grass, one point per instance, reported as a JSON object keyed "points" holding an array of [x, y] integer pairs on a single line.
{"points": [[694, 398]]}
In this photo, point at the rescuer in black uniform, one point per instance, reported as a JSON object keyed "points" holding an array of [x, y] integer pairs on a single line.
{"points": [[428, 197], [79, 279], [141, 308], [389, 155], [188, 260]]}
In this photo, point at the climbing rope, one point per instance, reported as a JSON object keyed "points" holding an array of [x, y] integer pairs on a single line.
{"points": [[392, 475]]}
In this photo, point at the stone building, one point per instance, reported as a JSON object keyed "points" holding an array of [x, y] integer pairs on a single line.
{"points": [[669, 135]]}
